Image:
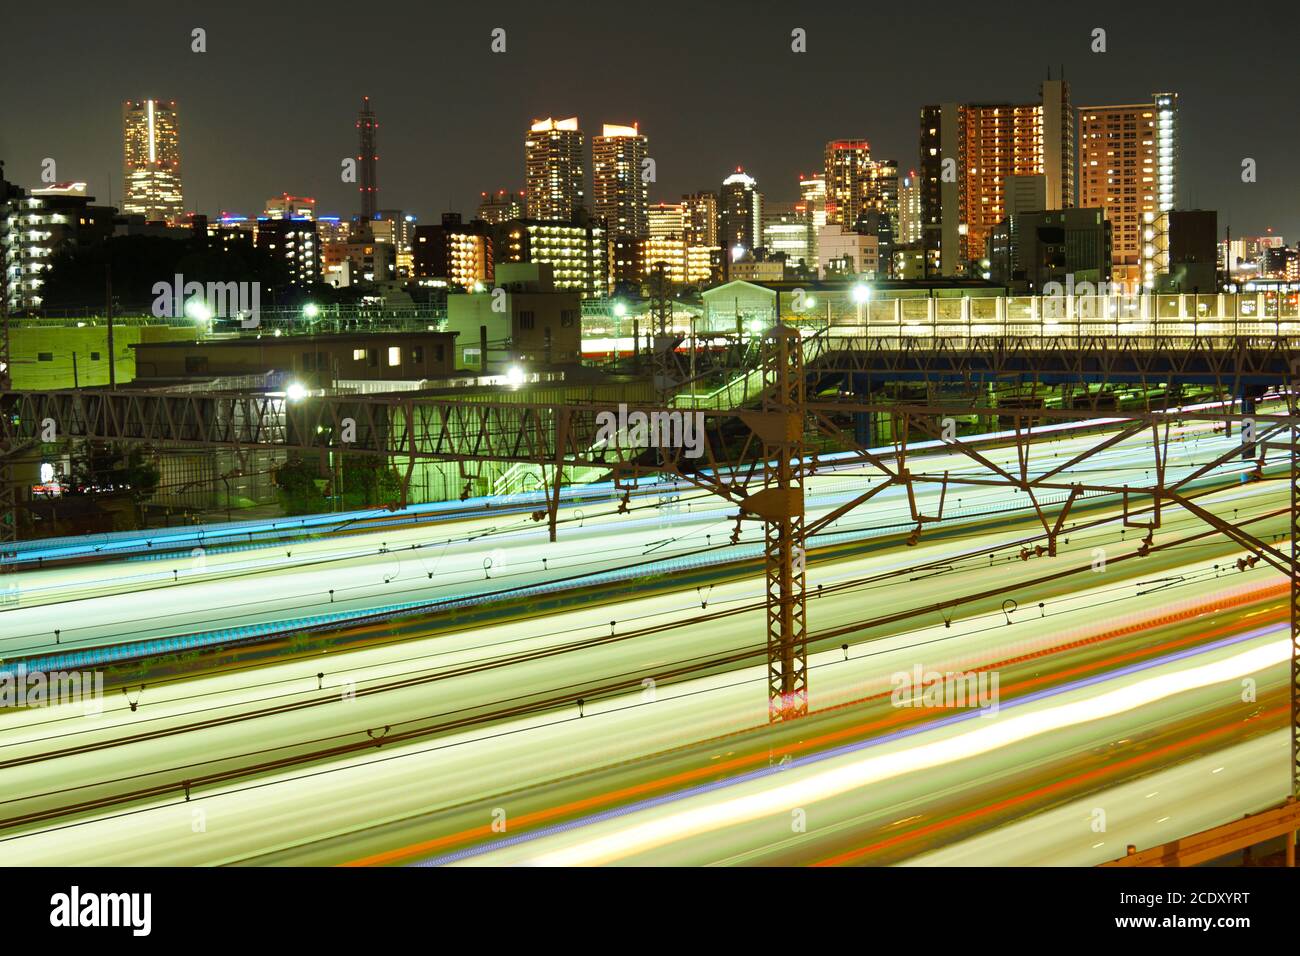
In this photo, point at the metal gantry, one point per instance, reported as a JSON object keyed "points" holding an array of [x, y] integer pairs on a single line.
{"points": [[756, 458]]}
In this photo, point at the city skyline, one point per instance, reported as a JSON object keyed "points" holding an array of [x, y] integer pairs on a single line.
{"points": [[441, 156]]}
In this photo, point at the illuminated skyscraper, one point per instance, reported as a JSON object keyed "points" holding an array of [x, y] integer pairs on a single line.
{"points": [[742, 213], [882, 189], [553, 175], [909, 209], [151, 151], [619, 192], [1128, 166], [812, 199], [367, 160], [848, 179], [968, 151]]}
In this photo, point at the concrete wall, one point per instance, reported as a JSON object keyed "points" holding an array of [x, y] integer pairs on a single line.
{"points": [[43, 356]]}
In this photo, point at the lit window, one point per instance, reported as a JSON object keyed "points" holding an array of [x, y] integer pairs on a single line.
{"points": [[395, 355]]}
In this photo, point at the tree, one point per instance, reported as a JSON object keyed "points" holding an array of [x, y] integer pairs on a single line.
{"points": [[103, 469], [369, 480], [299, 487]]}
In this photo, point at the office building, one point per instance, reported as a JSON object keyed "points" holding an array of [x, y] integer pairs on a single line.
{"points": [[151, 155], [787, 232], [741, 214]]}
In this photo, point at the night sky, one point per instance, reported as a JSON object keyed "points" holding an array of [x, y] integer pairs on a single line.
{"points": [[270, 107]]}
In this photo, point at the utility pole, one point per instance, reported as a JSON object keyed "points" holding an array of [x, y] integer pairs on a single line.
{"points": [[8, 492], [108, 312]]}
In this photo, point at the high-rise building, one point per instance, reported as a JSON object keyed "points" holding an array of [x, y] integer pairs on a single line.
{"points": [[1128, 166], [812, 199], [882, 190], [741, 218], [848, 178], [968, 151], [553, 174], [500, 206], [909, 209], [667, 219], [700, 219], [151, 152], [367, 160], [619, 191], [787, 231]]}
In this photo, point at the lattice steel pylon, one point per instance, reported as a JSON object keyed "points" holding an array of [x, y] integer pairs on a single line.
{"points": [[1293, 405], [780, 505]]}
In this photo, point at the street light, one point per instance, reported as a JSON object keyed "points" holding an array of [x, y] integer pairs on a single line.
{"points": [[311, 310], [295, 392], [861, 295], [198, 310], [514, 376]]}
